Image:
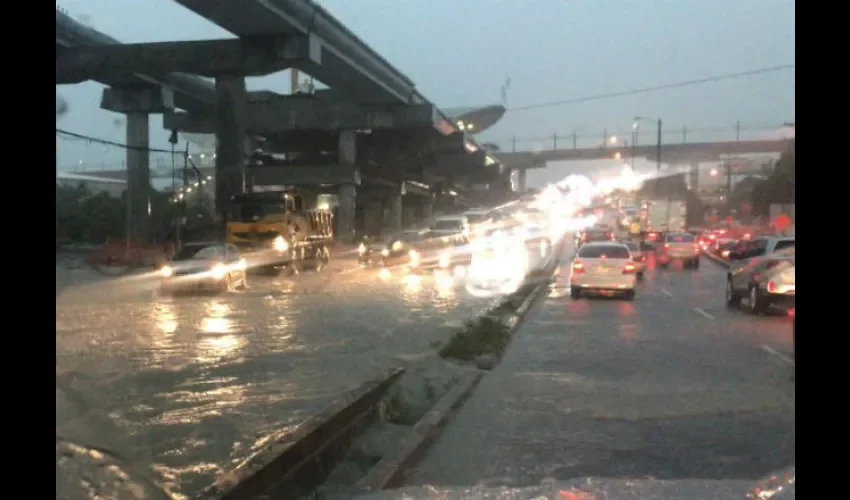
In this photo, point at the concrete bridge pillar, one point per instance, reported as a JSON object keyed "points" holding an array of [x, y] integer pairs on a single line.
{"points": [[347, 192], [137, 103], [232, 139], [394, 212], [408, 216], [694, 177], [427, 211], [521, 180], [138, 176], [373, 217]]}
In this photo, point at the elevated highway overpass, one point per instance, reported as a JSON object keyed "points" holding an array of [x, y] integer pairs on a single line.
{"points": [[191, 93], [157, 78], [670, 153]]}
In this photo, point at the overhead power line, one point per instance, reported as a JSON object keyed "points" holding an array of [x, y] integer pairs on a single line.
{"points": [[96, 140], [656, 88]]}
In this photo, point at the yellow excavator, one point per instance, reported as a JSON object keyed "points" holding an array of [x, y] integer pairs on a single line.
{"points": [[274, 231]]}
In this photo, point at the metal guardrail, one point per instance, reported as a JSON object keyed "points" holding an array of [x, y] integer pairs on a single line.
{"points": [[293, 465]]}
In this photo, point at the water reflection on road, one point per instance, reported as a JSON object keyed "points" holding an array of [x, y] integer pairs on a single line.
{"points": [[194, 384]]}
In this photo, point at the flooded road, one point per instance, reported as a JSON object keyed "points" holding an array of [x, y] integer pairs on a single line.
{"points": [[192, 385]]}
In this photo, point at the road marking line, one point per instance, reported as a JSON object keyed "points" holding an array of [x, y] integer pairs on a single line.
{"points": [[773, 352], [666, 292], [703, 313]]}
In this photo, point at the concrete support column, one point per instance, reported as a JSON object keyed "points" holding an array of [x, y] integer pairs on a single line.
{"points": [[694, 177], [138, 176], [373, 216], [427, 210], [345, 214], [232, 139], [521, 182], [408, 216], [347, 154], [394, 212]]}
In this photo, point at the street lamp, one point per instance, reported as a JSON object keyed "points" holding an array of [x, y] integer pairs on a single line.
{"points": [[635, 128]]}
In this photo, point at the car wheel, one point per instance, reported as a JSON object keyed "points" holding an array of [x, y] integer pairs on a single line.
{"points": [[732, 298], [575, 293], [696, 264], [757, 302], [629, 295], [640, 276]]}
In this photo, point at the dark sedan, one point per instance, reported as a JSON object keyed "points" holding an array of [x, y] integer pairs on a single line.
{"points": [[208, 266], [393, 250]]}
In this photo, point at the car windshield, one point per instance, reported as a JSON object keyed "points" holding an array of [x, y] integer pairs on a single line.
{"points": [[206, 252], [604, 251], [633, 247], [785, 245]]}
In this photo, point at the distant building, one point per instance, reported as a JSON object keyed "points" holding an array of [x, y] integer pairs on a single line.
{"points": [[95, 184]]}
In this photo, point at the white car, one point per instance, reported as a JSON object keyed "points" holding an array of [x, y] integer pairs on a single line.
{"points": [[605, 268]]}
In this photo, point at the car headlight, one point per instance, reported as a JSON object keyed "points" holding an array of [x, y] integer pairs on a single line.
{"points": [[166, 271], [385, 252], [280, 244], [397, 246], [219, 271], [414, 258], [361, 249], [241, 265], [445, 259]]}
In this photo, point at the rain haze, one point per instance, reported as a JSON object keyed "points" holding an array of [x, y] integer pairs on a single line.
{"points": [[461, 55]]}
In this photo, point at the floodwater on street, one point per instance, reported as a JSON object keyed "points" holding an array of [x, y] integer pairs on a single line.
{"points": [[191, 385]]}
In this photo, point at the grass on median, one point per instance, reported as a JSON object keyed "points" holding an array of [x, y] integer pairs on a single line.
{"points": [[487, 335]]}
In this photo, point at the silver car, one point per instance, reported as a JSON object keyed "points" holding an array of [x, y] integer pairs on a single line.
{"points": [[679, 246], [605, 268]]}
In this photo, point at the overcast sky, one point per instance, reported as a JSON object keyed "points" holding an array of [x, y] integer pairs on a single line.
{"points": [[459, 54]]}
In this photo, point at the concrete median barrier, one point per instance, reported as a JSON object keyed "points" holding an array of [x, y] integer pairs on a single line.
{"points": [[480, 347]]}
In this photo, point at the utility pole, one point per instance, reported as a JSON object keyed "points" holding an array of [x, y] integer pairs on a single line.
{"points": [[555, 141], [658, 152]]}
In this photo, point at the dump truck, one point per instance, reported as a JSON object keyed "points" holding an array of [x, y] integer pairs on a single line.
{"points": [[660, 215], [274, 231]]}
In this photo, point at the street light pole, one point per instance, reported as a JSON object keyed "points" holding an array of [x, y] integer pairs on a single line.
{"points": [[658, 152], [658, 146]]}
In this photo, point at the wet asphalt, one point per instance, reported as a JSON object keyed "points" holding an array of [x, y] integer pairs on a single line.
{"points": [[672, 385]]}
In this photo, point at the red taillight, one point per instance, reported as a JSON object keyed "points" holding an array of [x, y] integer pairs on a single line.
{"points": [[771, 286], [629, 268], [578, 267], [712, 236], [791, 312], [666, 245], [612, 237]]}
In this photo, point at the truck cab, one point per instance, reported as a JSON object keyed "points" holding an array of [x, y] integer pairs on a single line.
{"points": [[275, 230]]}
